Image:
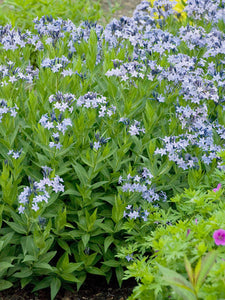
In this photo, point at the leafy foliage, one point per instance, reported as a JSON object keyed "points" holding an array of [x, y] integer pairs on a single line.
{"points": [[111, 150]]}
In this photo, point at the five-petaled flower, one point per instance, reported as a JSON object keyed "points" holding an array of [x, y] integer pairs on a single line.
{"points": [[219, 237]]}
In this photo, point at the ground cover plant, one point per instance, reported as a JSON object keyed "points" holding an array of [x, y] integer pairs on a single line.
{"points": [[112, 151]]}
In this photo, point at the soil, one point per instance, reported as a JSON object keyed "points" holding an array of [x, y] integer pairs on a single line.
{"points": [[122, 7], [95, 288]]}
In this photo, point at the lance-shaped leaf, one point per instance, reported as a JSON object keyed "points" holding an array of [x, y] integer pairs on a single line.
{"points": [[206, 265], [189, 271], [180, 285]]}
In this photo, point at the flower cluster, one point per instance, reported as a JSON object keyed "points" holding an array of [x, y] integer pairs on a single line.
{"points": [[141, 184], [15, 154], [5, 109], [208, 10], [62, 104], [51, 28], [33, 196], [11, 39], [94, 100], [127, 71], [55, 64], [10, 74], [138, 213], [134, 129]]}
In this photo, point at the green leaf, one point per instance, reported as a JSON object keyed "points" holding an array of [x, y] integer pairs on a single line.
{"points": [[6, 239], [98, 184], [17, 228], [81, 173], [1, 211], [29, 258], [95, 271], [4, 284], [25, 281], [45, 258], [69, 277], [5, 265], [108, 241], [119, 275], [55, 286], [189, 270], [64, 245], [42, 284], [71, 267], [118, 210], [63, 261], [206, 265], [25, 272], [180, 285], [111, 263], [43, 265], [109, 228], [85, 239]]}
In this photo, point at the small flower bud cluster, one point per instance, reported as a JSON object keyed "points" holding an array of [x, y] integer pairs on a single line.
{"points": [[33, 196], [100, 141], [96, 101]]}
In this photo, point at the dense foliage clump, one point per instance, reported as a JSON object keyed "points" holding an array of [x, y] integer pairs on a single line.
{"points": [[112, 151]]}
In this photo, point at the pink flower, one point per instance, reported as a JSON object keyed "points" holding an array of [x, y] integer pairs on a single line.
{"points": [[219, 237], [188, 231], [217, 188]]}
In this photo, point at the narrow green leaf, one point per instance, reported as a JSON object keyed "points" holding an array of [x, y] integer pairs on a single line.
{"points": [[108, 241], [64, 245], [81, 173], [69, 277], [85, 239], [189, 270], [25, 272], [178, 283], [98, 184], [119, 275], [111, 263], [197, 271], [42, 284], [55, 286], [95, 271], [17, 228], [207, 263], [28, 258], [71, 267], [43, 265]]}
